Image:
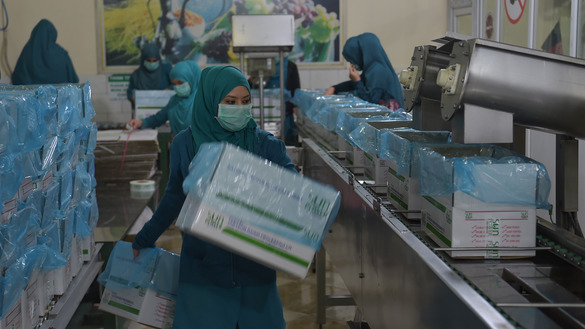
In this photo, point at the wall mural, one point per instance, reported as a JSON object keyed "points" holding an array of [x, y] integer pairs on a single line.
{"points": [[201, 30]]}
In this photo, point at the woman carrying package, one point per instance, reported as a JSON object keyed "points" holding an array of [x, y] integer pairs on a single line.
{"points": [[151, 74], [378, 82], [179, 110], [218, 289]]}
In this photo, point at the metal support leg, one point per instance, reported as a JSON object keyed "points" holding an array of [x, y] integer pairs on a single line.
{"points": [[323, 300]]}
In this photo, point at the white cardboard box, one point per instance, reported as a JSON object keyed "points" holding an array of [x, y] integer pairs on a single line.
{"points": [[141, 303], [13, 318], [460, 220], [257, 209], [87, 246], [148, 102], [403, 192], [376, 169]]}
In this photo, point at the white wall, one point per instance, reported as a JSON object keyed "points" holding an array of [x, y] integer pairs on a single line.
{"points": [[400, 25]]}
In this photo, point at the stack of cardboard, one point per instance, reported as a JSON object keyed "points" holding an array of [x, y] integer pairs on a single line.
{"points": [[124, 155]]}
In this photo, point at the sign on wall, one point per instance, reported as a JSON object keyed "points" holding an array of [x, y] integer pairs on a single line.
{"points": [[201, 30]]}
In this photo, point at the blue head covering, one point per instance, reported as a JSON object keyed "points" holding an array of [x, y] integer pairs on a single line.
{"points": [[42, 60], [216, 82], [366, 51], [181, 108], [151, 80]]}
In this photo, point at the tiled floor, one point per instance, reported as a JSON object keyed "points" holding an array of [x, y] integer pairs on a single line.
{"points": [[299, 297]]}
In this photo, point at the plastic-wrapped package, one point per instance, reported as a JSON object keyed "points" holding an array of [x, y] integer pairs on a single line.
{"points": [[69, 107], [82, 213], [49, 237], [154, 268], [304, 98], [32, 164], [367, 135], [49, 152], [66, 188], [94, 212], [487, 172], [11, 175], [65, 221], [27, 115], [82, 186], [253, 207], [348, 121], [68, 148], [401, 146], [7, 130], [51, 204], [328, 114], [321, 103], [46, 95], [88, 109]]}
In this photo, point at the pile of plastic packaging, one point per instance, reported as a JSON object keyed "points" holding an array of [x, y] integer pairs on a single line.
{"points": [[442, 167], [47, 193]]}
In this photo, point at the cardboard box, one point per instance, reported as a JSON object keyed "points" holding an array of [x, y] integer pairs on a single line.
{"points": [[252, 207], [13, 318], [149, 102], [403, 192], [30, 302], [87, 247], [459, 220], [400, 147], [143, 289], [271, 104]]}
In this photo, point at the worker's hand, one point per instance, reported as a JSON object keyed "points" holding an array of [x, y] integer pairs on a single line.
{"points": [[136, 252], [135, 123], [330, 91], [354, 75]]}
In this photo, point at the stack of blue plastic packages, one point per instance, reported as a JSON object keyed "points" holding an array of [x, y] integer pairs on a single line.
{"points": [[43, 185], [253, 207]]}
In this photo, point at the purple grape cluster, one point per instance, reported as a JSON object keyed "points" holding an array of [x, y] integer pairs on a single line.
{"points": [[218, 47], [299, 8]]}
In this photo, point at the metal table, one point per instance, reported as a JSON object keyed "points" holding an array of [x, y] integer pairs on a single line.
{"points": [[118, 210]]}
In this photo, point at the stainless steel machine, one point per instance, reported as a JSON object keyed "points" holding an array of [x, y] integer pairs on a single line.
{"points": [[397, 276]]}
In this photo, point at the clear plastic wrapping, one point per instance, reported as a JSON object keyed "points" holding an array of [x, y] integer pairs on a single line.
{"points": [[154, 268], [489, 173], [401, 146], [262, 194], [348, 121]]}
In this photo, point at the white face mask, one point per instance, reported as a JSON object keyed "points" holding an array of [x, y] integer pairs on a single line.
{"points": [[234, 117]]}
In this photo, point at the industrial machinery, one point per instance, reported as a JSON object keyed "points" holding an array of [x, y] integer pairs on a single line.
{"points": [[397, 276]]}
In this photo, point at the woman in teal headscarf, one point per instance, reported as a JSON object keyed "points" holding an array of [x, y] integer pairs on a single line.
{"points": [[42, 60], [152, 74], [178, 111], [378, 82], [218, 289]]}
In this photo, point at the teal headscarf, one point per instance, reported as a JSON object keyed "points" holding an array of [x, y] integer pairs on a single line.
{"points": [[151, 80], [181, 108], [366, 51], [42, 60], [216, 82]]}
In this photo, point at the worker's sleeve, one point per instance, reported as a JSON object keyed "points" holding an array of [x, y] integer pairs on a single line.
{"points": [[344, 87], [274, 150], [170, 204], [157, 119], [369, 95]]}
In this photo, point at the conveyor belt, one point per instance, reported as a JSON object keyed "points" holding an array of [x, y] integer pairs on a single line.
{"points": [[400, 279]]}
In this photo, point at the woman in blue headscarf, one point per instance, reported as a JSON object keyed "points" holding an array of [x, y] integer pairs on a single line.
{"points": [[218, 289], [42, 60], [378, 82], [178, 111], [151, 74]]}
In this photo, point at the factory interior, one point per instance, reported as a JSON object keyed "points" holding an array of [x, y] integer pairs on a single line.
{"points": [[423, 167]]}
